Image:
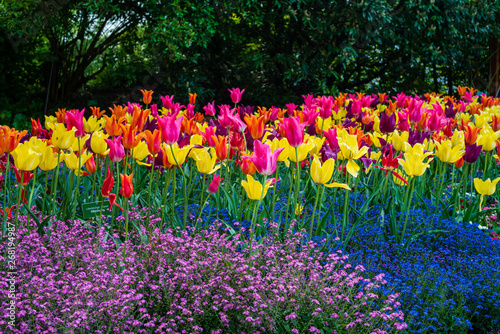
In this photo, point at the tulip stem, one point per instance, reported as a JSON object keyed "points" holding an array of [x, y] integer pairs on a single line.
{"points": [[32, 188], [126, 228], [410, 190], [274, 192], [485, 166], [54, 183], [288, 200], [19, 200], [149, 191], [256, 206], [5, 187], [345, 215], [45, 191], [184, 185], [297, 183], [173, 195], [313, 213], [77, 179], [441, 184], [168, 177]]}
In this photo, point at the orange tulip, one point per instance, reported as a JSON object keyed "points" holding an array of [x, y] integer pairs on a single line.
{"points": [[153, 140], [118, 111], [96, 111], [112, 127], [61, 115], [220, 147], [471, 134], [129, 138], [192, 98], [139, 118], [11, 138], [91, 165], [166, 163], [147, 96], [495, 123], [255, 125], [127, 188], [247, 167]]}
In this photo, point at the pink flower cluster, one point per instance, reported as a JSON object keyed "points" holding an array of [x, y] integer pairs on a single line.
{"points": [[72, 281]]}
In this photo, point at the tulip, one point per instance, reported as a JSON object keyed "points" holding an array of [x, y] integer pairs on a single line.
{"points": [[281, 143], [413, 164], [387, 122], [25, 157], [92, 124], [487, 138], [247, 167], [446, 153], [73, 161], [349, 147], [61, 138], [116, 149], [485, 188], [472, 153], [10, 138], [36, 127], [255, 125], [210, 109], [205, 161], [147, 96], [74, 119], [153, 141], [399, 139], [129, 138], [48, 159], [170, 128], [127, 188], [140, 152], [214, 185], [91, 165], [139, 118], [263, 159], [220, 147], [96, 112], [236, 94], [23, 177], [112, 126], [253, 188], [300, 153], [471, 134], [294, 131], [179, 154], [98, 143]]}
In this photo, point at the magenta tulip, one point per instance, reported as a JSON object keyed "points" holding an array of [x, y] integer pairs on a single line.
{"points": [[170, 128], [263, 159]]}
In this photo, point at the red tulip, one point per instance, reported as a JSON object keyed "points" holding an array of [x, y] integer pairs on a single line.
{"points": [[214, 185]]}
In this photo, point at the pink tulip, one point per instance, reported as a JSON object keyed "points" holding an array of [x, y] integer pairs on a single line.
{"points": [[116, 149], [263, 159], [236, 94], [294, 131], [170, 128], [167, 101], [214, 185], [210, 109], [74, 119]]}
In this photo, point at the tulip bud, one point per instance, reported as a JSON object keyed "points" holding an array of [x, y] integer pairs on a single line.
{"points": [[214, 185]]}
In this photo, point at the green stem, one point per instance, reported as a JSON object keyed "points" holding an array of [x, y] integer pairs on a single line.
{"points": [[408, 209], [32, 188], [184, 185], [485, 165], [345, 217], [288, 200], [126, 227], [149, 190], [5, 187], [173, 195], [297, 183], [314, 212], [19, 200], [274, 192], [77, 179], [54, 183], [168, 177], [45, 191]]}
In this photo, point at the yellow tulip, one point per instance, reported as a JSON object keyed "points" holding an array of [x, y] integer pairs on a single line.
{"points": [[413, 163], [318, 143], [48, 159], [74, 145], [349, 147], [61, 138], [281, 143], [398, 140], [205, 161], [25, 157], [446, 153], [486, 187], [140, 152], [321, 174], [97, 143], [180, 153], [481, 120], [93, 124], [458, 139], [253, 188], [50, 121], [72, 161], [37, 144], [303, 150], [487, 138]]}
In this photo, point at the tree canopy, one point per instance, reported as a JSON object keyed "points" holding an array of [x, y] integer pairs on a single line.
{"points": [[67, 53]]}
